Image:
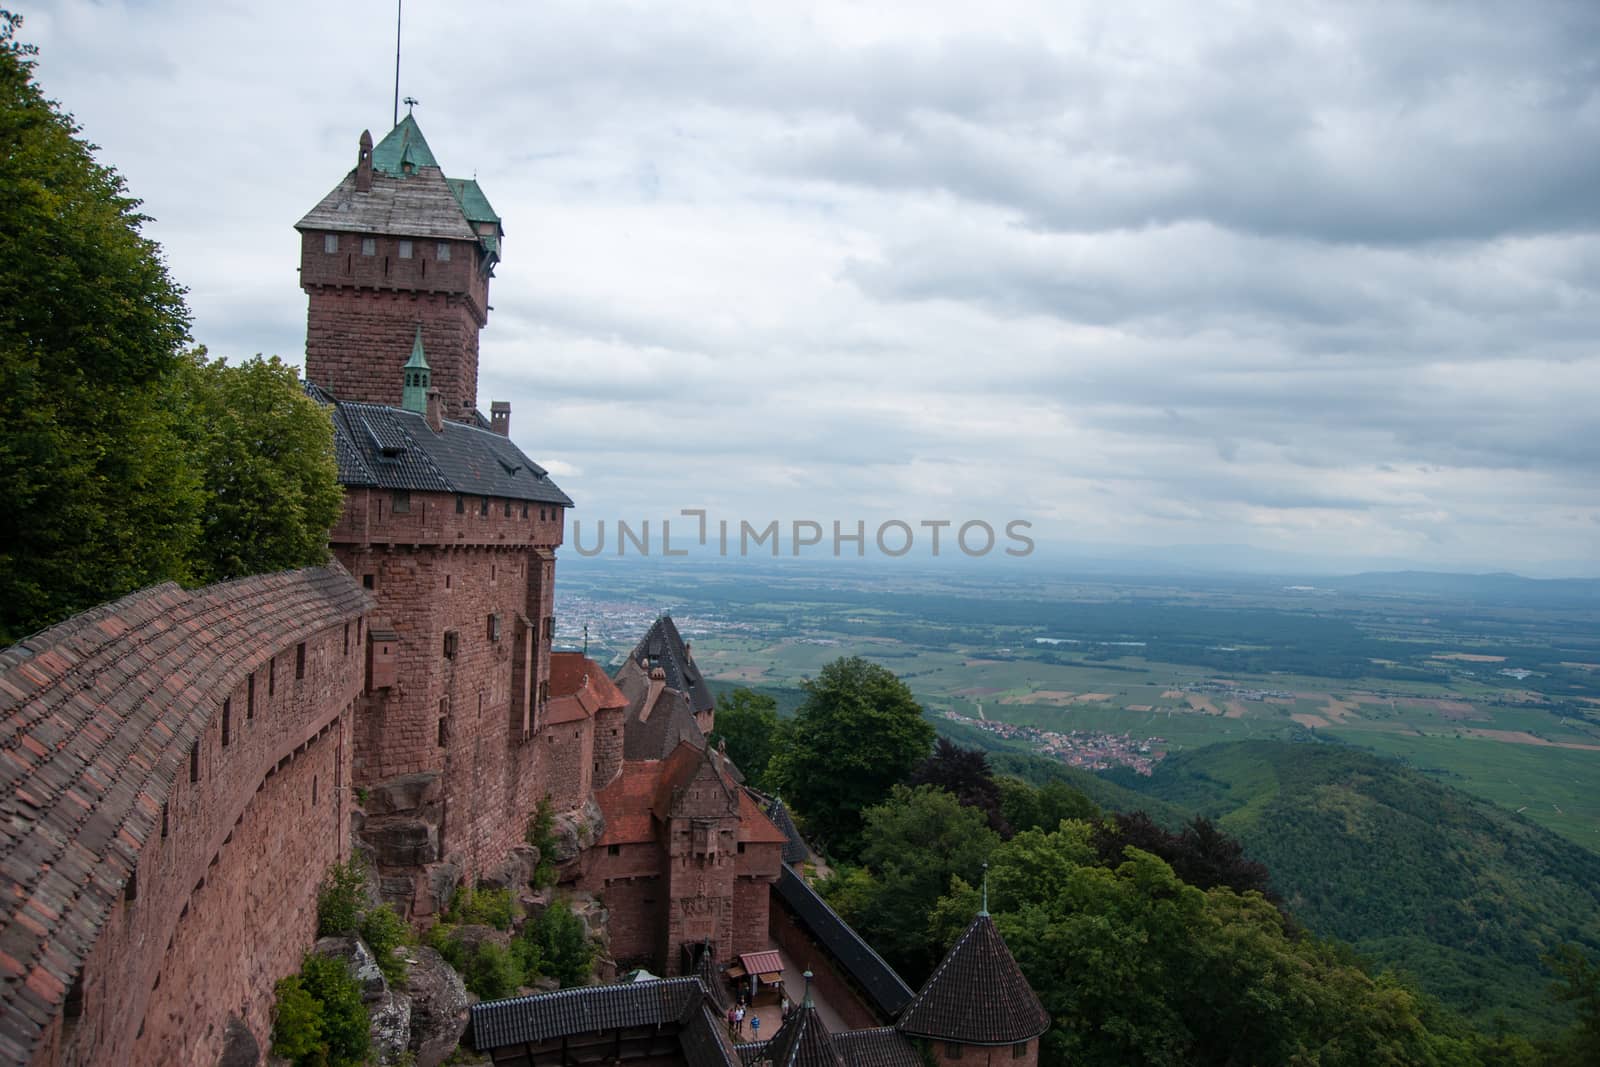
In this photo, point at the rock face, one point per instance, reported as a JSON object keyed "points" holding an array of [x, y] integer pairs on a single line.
{"points": [[363, 965], [516, 872], [390, 1028], [398, 830], [239, 1045], [576, 830], [438, 1007]]}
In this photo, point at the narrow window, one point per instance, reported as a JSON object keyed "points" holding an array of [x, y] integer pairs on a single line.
{"points": [[313, 790], [73, 1009], [444, 726], [405, 249], [524, 509], [130, 888], [400, 502], [494, 627], [227, 721], [741, 848], [541, 514], [461, 504], [272, 675], [358, 631], [493, 570], [300, 661], [451, 640], [250, 698], [330, 242], [544, 692], [483, 506], [369, 246], [194, 762], [164, 821], [443, 252], [1019, 1050], [447, 581], [347, 639], [613, 850]]}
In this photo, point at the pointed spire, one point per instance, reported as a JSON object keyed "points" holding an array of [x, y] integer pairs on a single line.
{"points": [[418, 378], [977, 995], [806, 1002], [984, 911]]}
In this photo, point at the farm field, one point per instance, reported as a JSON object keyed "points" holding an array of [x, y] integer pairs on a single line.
{"points": [[1499, 697]]}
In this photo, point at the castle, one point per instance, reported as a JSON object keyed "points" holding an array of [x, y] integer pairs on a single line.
{"points": [[178, 768]]}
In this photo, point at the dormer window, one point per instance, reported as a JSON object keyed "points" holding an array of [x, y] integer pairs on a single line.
{"points": [[405, 249], [330, 243], [443, 252], [369, 246]]}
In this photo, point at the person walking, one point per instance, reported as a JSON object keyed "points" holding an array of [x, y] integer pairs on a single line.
{"points": [[755, 1028], [738, 1021], [733, 1022]]}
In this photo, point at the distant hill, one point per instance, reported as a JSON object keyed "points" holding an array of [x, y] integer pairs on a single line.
{"points": [[1417, 875], [1501, 588]]}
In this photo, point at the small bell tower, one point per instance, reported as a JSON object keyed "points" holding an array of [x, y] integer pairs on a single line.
{"points": [[418, 379]]}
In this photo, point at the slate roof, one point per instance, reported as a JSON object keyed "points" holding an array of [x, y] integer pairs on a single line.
{"points": [[654, 731], [591, 1009], [795, 848], [417, 205], [99, 713], [803, 1041], [887, 990], [391, 448], [662, 646], [882, 1046], [977, 995], [401, 145]]}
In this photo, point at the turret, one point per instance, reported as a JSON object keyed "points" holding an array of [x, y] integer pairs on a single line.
{"points": [[418, 379]]}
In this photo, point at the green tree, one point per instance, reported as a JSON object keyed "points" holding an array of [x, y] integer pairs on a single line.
{"points": [[913, 844], [748, 721], [1578, 983], [100, 499], [558, 945], [858, 732], [1027, 808], [265, 455]]}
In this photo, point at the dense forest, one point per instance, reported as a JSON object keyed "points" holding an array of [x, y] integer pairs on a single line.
{"points": [[1285, 904]]}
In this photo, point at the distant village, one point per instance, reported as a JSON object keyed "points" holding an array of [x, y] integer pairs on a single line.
{"points": [[1080, 748]]}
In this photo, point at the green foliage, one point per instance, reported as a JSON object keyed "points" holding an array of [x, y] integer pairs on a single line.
{"points": [[748, 721], [442, 939], [384, 931], [341, 899], [912, 845], [264, 450], [1028, 808], [99, 497], [556, 944], [482, 907], [296, 1022], [1465, 896], [859, 732], [319, 1020], [1578, 983], [541, 835], [491, 972]]}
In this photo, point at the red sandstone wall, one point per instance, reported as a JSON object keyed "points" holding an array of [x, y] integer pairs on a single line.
{"points": [[226, 900], [634, 921], [947, 1055], [607, 746], [364, 310], [834, 987], [434, 570]]}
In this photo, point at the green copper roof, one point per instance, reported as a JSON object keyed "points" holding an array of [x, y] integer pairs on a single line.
{"points": [[404, 144], [474, 205], [418, 361]]}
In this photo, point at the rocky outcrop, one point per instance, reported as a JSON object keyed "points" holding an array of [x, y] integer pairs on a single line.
{"points": [[239, 1045], [359, 960], [575, 831], [516, 872], [390, 1028], [438, 1007], [397, 831]]}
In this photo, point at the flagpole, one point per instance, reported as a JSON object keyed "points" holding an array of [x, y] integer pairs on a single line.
{"points": [[398, 6]]}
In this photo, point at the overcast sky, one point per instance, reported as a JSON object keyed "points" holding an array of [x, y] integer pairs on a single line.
{"points": [[1312, 277]]}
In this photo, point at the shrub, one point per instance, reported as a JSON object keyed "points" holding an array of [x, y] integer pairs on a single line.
{"points": [[443, 940], [558, 946], [491, 973], [541, 835], [384, 931], [296, 1022], [341, 898], [482, 907], [319, 1020]]}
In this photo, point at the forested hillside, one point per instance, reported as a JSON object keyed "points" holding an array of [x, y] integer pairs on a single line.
{"points": [[1417, 875]]}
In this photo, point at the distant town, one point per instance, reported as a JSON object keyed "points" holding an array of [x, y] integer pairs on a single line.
{"points": [[1080, 748]]}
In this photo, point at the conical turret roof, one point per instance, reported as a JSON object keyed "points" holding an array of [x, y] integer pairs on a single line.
{"points": [[803, 1041], [977, 995]]}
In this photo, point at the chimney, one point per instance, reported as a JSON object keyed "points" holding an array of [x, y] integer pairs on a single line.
{"points": [[435, 413], [658, 682], [500, 417], [364, 163]]}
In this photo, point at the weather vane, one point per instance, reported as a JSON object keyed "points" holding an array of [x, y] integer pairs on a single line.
{"points": [[410, 102]]}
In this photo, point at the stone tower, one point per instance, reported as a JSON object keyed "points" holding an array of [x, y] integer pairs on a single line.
{"points": [[398, 250]]}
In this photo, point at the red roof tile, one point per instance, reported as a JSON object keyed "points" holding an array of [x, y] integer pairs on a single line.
{"points": [[625, 803]]}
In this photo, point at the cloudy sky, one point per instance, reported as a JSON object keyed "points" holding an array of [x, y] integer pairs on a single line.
{"points": [[1320, 278]]}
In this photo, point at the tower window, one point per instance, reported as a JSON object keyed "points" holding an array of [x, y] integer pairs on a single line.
{"points": [[461, 504], [508, 507], [494, 627], [250, 698], [952, 1050], [194, 762], [1019, 1050], [330, 242], [451, 640], [444, 252], [369, 246], [300, 660], [400, 503], [405, 249], [227, 721], [483, 506]]}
